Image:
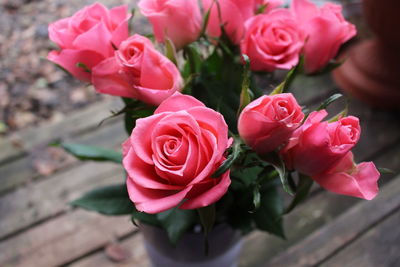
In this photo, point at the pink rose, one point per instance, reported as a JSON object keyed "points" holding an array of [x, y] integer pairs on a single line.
{"points": [[179, 20], [269, 121], [347, 178], [88, 37], [232, 14], [316, 146], [172, 154], [137, 71], [272, 41], [325, 29]]}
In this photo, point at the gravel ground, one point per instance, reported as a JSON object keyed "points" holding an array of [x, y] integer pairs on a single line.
{"points": [[32, 89]]}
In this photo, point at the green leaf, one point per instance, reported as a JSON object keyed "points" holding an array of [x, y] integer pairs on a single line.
{"points": [[170, 51], [145, 218], [386, 171], [245, 98], [176, 222], [108, 200], [85, 152], [329, 101], [303, 188], [226, 164], [276, 161], [268, 217], [284, 86]]}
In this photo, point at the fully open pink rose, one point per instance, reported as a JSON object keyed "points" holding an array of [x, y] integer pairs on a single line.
{"points": [[269, 121], [316, 146], [88, 37], [325, 29], [171, 156], [179, 20], [272, 41], [347, 178], [137, 71]]}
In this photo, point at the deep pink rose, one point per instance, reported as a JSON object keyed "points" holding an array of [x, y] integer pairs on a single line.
{"points": [[137, 71], [317, 145], [347, 178], [325, 29], [179, 20], [269, 121], [232, 14], [172, 154], [88, 37], [272, 41]]}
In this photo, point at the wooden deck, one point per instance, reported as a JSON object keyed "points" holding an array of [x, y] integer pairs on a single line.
{"points": [[39, 228]]}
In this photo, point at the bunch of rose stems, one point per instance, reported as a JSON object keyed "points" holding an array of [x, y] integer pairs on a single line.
{"points": [[206, 145]]}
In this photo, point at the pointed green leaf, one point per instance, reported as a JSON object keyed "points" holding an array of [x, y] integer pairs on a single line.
{"points": [[268, 217], [245, 98], [303, 188], [145, 218], [108, 200], [329, 101], [170, 51], [176, 222], [85, 152], [276, 161]]}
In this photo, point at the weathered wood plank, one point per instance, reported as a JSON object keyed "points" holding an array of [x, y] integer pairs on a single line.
{"points": [[63, 239], [134, 245], [24, 140], [49, 197], [22, 170], [380, 246], [325, 241]]}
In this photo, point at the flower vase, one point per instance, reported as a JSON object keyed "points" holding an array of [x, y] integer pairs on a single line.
{"points": [[224, 246]]}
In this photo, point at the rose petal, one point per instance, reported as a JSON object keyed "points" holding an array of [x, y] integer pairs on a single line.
{"points": [[178, 102]]}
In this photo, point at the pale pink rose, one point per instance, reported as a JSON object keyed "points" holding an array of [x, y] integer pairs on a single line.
{"points": [[88, 37], [232, 14], [272, 41], [137, 71], [268, 122], [171, 155], [178, 20], [348, 178], [317, 145], [325, 29]]}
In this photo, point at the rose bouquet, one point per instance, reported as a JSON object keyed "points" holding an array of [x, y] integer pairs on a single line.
{"points": [[206, 145]]}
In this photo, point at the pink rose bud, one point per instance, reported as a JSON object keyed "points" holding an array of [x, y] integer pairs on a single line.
{"points": [[172, 154], [269, 121], [137, 71], [325, 29], [232, 14], [272, 41], [347, 178], [316, 146], [178, 20], [88, 37]]}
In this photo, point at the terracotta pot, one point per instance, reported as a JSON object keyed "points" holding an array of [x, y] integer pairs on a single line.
{"points": [[371, 71], [224, 248]]}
